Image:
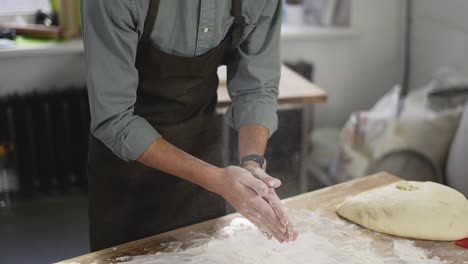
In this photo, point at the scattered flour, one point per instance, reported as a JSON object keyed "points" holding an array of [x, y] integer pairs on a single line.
{"points": [[406, 250], [122, 259], [241, 242]]}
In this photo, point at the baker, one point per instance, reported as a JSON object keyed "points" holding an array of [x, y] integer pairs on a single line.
{"points": [[155, 148]]}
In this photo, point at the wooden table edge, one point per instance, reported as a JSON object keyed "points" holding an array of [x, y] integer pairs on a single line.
{"points": [[305, 100], [388, 179]]}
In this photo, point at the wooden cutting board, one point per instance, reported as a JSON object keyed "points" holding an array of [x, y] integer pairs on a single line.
{"points": [[324, 200]]}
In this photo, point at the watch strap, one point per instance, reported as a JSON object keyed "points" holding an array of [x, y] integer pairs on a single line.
{"points": [[256, 158]]}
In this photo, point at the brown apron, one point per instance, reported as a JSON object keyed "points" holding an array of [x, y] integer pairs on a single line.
{"points": [[177, 96]]}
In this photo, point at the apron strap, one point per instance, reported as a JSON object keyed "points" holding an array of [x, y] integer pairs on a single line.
{"points": [[239, 22], [150, 20]]}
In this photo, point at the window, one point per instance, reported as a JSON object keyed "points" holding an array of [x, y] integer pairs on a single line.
{"points": [[16, 7]]}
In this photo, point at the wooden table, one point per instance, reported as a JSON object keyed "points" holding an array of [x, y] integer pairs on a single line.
{"points": [[294, 91], [324, 199]]}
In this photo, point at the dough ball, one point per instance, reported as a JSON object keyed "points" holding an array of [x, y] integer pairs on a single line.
{"points": [[420, 210]]}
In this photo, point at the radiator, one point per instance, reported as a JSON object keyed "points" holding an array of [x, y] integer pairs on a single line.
{"points": [[49, 133]]}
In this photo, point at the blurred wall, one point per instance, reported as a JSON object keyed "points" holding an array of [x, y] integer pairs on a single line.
{"points": [[25, 71], [356, 70], [440, 38]]}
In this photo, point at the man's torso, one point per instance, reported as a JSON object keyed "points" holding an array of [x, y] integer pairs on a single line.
{"points": [[191, 28]]}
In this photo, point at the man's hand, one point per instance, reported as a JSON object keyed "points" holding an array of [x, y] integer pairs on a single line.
{"points": [[246, 194], [272, 198]]}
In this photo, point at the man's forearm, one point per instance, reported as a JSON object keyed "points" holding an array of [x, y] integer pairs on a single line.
{"points": [[165, 157], [252, 140]]}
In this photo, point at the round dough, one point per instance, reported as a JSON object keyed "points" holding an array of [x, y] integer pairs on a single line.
{"points": [[420, 210]]}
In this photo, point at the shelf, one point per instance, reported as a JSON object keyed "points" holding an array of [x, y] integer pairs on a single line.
{"points": [[289, 33], [70, 47]]}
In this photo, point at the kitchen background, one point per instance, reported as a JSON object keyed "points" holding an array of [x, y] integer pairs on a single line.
{"points": [[356, 50]]}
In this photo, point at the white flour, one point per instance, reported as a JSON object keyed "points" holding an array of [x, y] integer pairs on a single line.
{"points": [[122, 259], [406, 250], [241, 242]]}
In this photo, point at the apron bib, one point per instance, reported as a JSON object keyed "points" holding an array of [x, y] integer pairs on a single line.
{"points": [[177, 96]]}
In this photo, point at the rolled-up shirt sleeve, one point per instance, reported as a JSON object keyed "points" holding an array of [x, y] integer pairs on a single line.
{"points": [[253, 77], [111, 39]]}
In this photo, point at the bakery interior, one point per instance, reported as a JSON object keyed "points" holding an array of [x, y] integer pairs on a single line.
{"points": [[368, 87]]}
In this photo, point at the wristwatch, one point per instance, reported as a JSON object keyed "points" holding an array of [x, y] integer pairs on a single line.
{"points": [[256, 158]]}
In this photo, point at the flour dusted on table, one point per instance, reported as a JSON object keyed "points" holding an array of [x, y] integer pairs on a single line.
{"points": [[406, 250], [322, 239]]}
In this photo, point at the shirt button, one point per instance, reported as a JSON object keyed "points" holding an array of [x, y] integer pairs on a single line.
{"points": [[206, 30]]}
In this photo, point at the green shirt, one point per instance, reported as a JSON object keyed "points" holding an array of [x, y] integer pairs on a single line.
{"points": [[111, 30]]}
